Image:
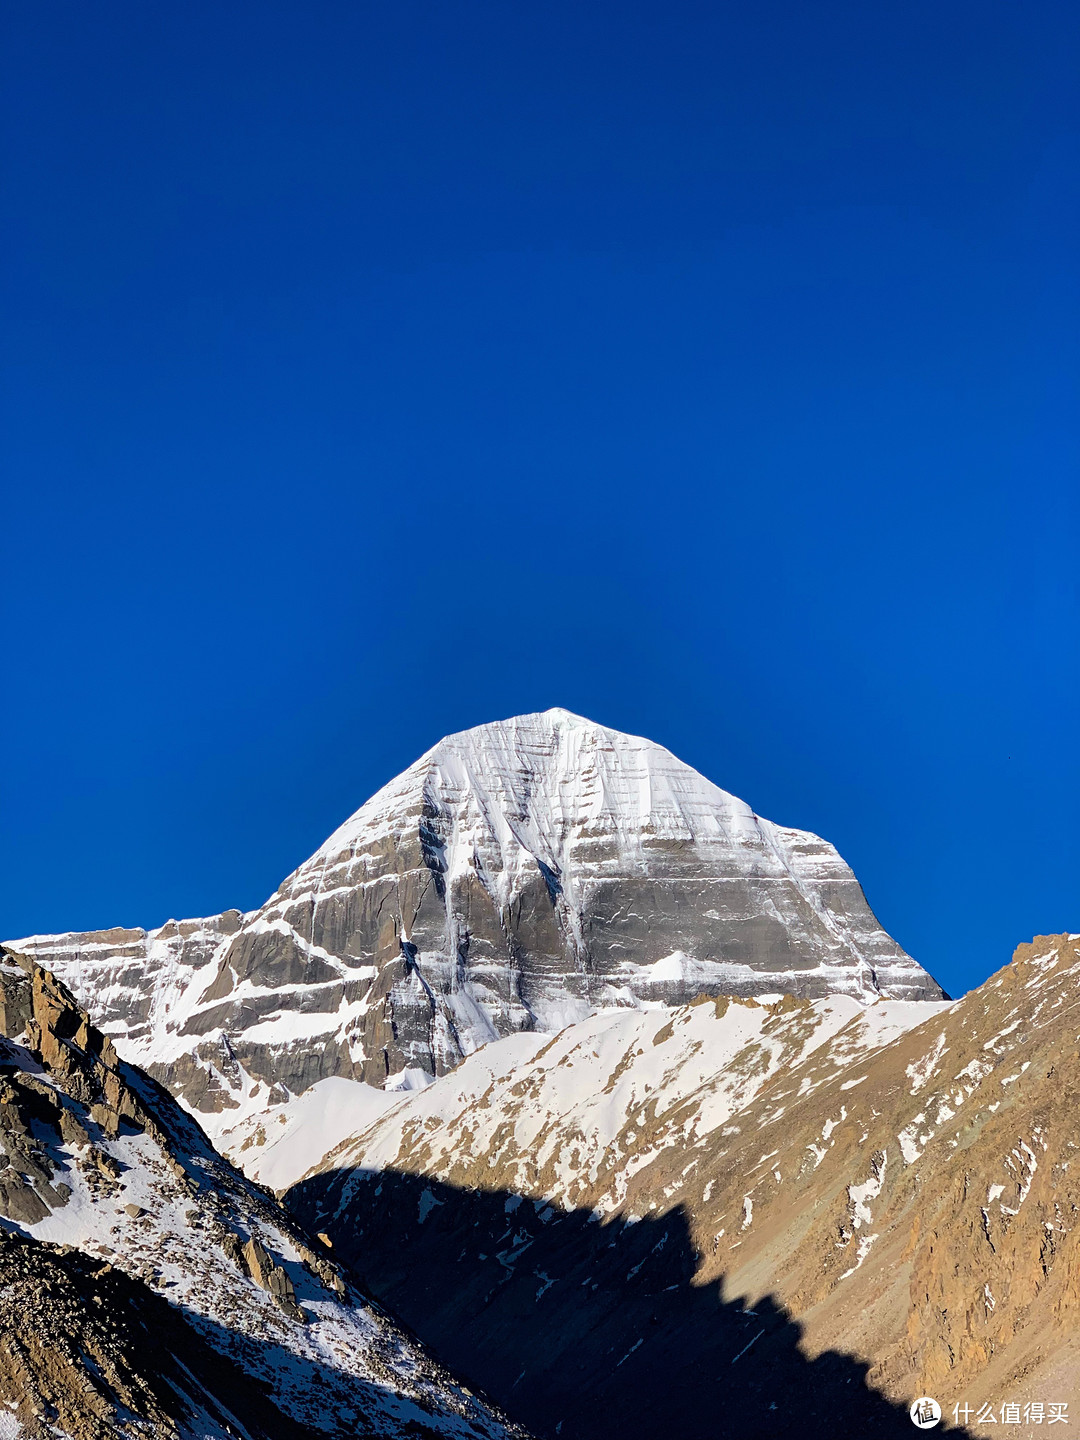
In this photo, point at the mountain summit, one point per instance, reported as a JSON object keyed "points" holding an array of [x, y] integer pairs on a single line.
{"points": [[516, 877]]}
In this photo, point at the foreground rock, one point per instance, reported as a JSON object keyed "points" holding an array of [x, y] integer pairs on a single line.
{"points": [[516, 877], [88, 1352], [626, 1232], [147, 1288]]}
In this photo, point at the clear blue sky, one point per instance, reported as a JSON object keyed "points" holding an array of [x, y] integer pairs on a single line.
{"points": [[373, 371]]}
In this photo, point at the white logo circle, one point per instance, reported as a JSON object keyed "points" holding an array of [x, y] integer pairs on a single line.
{"points": [[925, 1413]]}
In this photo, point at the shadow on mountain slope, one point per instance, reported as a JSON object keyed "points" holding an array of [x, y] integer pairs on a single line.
{"points": [[582, 1330]]}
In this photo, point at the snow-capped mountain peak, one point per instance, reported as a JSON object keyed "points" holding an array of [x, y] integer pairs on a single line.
{"points": [[516, 877]]}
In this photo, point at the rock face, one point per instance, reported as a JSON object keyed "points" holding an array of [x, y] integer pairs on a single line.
{"points": [[147, 1288], [852, 1208], [513, 879]]}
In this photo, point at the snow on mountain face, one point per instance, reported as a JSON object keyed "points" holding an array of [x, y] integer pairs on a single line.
{"points": [[568, 1119], [515, 878], [278, 1145]]}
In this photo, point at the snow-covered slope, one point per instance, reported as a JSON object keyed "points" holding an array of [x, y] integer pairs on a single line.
{"points": [[278, 1144], [515, 878], [571, 1119]]}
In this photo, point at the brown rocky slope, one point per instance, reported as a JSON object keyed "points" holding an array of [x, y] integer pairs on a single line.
{"points": [[912, 1207]]}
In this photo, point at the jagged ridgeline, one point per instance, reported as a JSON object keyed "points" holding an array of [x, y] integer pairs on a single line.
{"points": [[148, 1289], [514, 878]]}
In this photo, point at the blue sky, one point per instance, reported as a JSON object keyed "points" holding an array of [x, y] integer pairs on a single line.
{"points": [[373, 371]]}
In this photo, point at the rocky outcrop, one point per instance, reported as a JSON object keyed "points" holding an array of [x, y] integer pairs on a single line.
{"points": [[271, 1277], [516, 877], [900, 1187], [88, 1096]]}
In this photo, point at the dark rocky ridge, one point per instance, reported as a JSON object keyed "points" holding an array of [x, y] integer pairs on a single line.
{"points": [[190, 1304]]}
